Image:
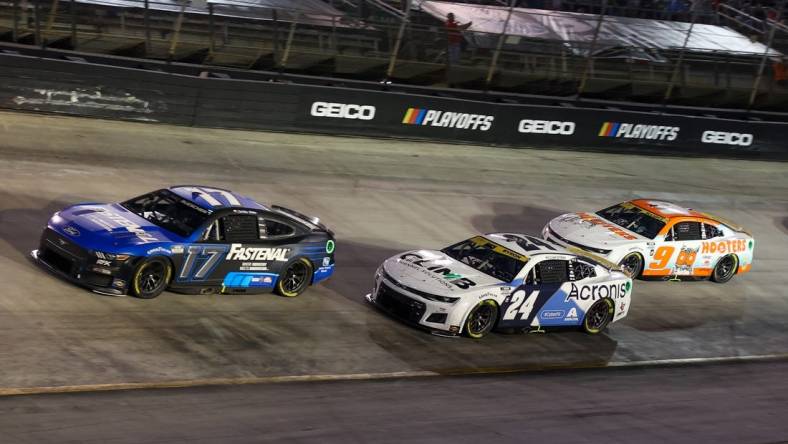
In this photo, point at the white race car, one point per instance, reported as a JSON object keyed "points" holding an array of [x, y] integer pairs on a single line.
{"points": [[501, 280], [656, 238]]}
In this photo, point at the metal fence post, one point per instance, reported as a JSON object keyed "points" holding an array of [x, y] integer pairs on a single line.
{"points": [[677, 68], [73, 9], [497, 53], [15, 30], [176, 31], [146, 23], [212, 35], [290, 35], [52, 14], [37, 11], [757, 83], [398, 41], [275, 17], [584, 79]]}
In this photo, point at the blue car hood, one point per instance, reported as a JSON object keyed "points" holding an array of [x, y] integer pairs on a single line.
{"points": [[110, 228]]}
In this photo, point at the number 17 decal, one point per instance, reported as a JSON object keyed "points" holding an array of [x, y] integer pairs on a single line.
{"points": [[200, 261]]}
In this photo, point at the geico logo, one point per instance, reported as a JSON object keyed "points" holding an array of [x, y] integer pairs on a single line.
{"points": [[240, 253], [546, 127], [343, 110], [723, 138], [445, 273], [594, 292], [722, 247]]}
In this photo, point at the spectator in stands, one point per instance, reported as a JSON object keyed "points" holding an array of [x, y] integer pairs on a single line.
{"points": [[454, 37]]}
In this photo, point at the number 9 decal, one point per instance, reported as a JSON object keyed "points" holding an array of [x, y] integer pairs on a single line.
{"points": [[662, 256]]}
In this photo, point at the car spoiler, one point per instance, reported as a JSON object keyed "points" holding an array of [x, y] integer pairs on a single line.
{"points": [[312, 222]]}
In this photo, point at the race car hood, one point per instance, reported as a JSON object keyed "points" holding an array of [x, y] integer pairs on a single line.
{"points": [[108, 228], [435, 273], [590, 230]]}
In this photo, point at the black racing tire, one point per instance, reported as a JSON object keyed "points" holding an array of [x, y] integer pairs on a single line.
{"points": [[295, 278], [725, 269], [632, 265], [151, 278], [599, 316], [481, 319]]}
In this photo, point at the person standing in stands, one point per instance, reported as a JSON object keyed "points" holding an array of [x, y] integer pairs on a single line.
{"points": [[454, 37]]}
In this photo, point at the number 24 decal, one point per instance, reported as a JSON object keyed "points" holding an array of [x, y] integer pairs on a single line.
{"points": [[522, 304]]}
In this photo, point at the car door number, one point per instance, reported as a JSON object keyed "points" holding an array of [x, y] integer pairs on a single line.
{"points": [[210, 256], [522, 304]]}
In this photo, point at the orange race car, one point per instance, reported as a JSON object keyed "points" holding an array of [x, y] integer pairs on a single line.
{"points": [[656, 238]]}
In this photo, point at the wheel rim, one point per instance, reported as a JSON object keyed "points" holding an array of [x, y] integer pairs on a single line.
{"points": [[152, 277], [481, 319], [597, 316], [631, 265], [726, 267], [295, 277]]}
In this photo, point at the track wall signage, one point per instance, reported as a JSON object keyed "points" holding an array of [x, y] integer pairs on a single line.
{"points": [[79, 88]]}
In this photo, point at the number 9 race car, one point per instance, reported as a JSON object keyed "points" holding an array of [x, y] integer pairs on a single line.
{"points": [[192, 239], [655, 238], [501, 281]]}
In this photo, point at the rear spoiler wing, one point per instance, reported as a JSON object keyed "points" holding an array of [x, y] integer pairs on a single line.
{"points": [[312, 222]]}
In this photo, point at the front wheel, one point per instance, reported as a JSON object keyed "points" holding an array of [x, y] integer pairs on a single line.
{"points": [[598, 316], [481, 319], [725, 269], [151, 278], [632, 265], [295, 278]]}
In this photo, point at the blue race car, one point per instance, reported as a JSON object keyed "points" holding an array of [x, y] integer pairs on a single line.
{"points": [[192, 239]]}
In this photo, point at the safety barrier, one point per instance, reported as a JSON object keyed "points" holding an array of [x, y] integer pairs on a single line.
{"points": [[80, 88]]}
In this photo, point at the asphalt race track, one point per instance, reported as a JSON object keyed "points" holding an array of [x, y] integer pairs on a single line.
{"points": [[380, 197]]}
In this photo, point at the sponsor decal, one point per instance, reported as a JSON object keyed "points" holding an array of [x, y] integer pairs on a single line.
{"points": [[439, 270], [245, 280], [330, 246], [118, 283], [572, 315], [326, 261], [727, 246], [177, 249], [447, 119], [725, 138], [552, 314], [253, 266], [594, 220], [159, 250], [240, 253], [546, 127], [342, 110], [596, 291], [639, 131], [72, 231], [130, 226], [103, 262]]}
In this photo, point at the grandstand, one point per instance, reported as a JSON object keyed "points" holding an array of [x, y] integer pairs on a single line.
{"points": [[708, 57]]}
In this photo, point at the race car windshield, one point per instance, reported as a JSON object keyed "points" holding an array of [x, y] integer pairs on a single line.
{"points": [[488, 257], [169, 211], [634, 219]]}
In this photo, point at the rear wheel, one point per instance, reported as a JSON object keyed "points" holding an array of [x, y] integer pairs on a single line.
{"points": [[598, 316], [295, 278], [481, 319], [725, 269], [632, 265], [151, 278]]}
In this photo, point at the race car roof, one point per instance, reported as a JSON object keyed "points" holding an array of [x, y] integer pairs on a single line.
{"points": [[524, 244], [213, 198], [666, 209]]}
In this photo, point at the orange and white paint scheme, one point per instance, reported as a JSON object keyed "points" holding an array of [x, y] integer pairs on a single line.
{"points": [[656, 238]]}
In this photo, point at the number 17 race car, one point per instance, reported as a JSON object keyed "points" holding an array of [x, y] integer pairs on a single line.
{"points": [[191, 239], [655, 238], [501, 280]]}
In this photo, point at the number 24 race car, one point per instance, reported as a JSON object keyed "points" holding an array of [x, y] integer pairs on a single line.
{"points": [[191, 239], [654, 238], [501, 280]]}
